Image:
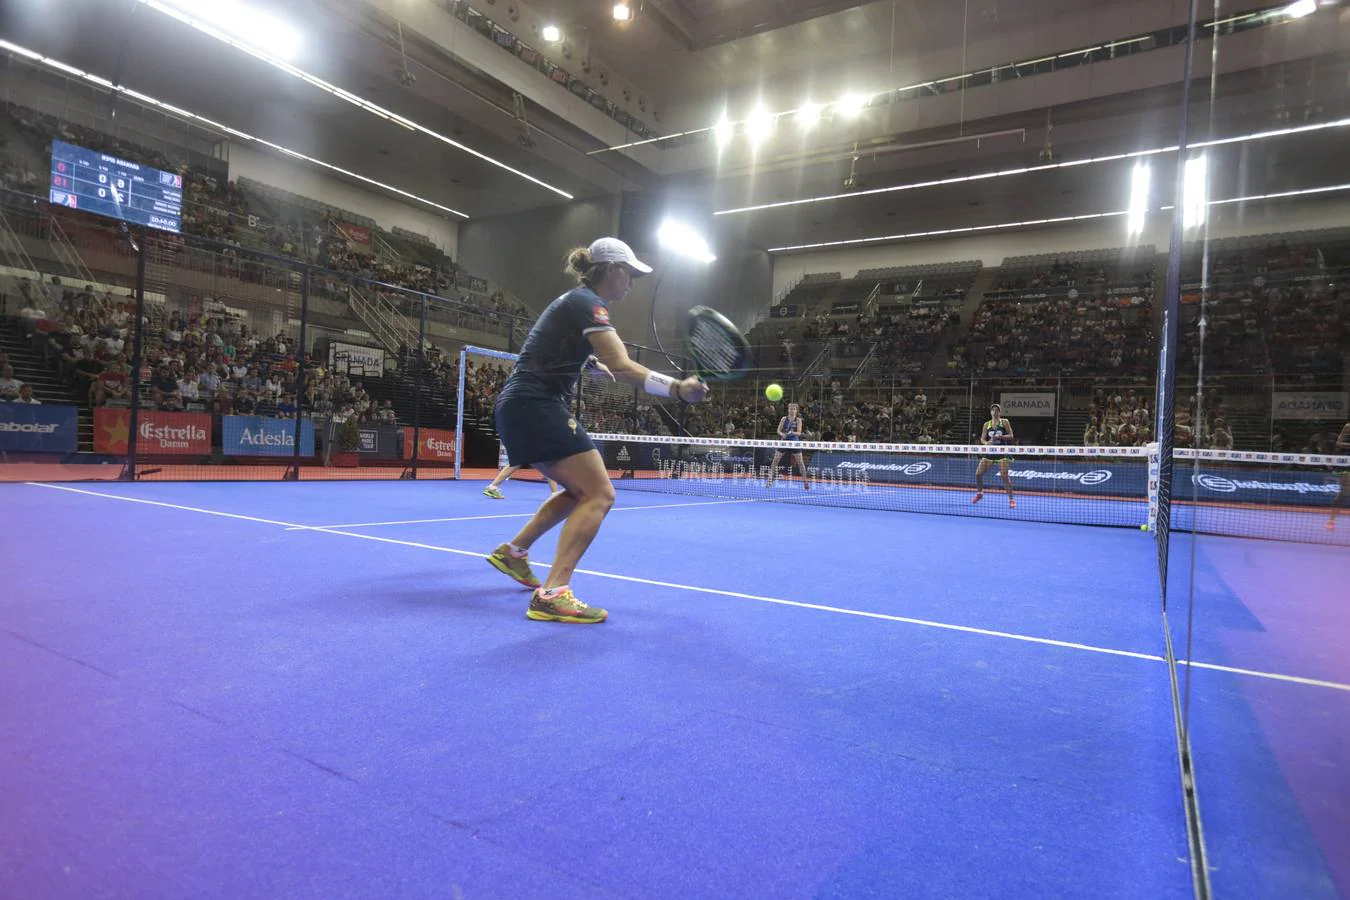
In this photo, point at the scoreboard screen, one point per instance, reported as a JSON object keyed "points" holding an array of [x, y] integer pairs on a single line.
{"points": [[103, 184]]}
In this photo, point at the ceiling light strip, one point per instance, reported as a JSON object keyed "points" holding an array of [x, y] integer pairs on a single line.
{"points": [[234, 132], [1123, 42], [1025, 170], [972, 229], [342, 94]]}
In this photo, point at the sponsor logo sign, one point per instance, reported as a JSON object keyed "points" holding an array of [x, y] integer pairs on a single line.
{"points": [[1024, 405], [1311, 405], [156, 432], [34, 428], [345, 357], [262, 436], [436, 444]]}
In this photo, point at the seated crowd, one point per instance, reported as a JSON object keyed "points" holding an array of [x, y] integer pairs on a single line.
{"points": [[209, 362], [221, 211]]}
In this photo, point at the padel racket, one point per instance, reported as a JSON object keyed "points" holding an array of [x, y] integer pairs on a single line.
{"points": [[715, 347]]}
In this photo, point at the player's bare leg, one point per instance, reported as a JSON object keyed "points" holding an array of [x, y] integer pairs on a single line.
{"points": [[979, 480], [1339, 503], [801, 467], [773, 467], [1007, 482]]}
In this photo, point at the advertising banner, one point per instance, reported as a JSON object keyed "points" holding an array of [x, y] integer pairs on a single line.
{"points": [[1330, 406], [157, 432], [438, 445], [378, 440], [34, 428], [1027, 405], [357, 234], [260, 436]]}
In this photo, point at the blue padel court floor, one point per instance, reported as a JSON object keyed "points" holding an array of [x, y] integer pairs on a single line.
{"points": [[322, 690]]}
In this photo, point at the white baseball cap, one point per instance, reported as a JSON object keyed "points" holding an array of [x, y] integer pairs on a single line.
{"points": [[608, 249]]}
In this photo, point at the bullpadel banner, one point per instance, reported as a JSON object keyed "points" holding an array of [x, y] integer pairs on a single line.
{"points": [[1105, 477]]}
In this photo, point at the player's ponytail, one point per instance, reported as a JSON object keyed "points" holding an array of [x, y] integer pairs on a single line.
{"points": [[579, 264]]}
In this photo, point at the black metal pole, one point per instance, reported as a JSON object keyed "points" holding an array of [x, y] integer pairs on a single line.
{"points": [[136, 346], [419, 378], [301, 358]]}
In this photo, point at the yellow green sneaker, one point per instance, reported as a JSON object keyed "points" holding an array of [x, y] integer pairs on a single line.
{"points": [[518, 569], [492, 492], [564, 607]]}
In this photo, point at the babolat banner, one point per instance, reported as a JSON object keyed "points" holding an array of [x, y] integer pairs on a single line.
{"points": [[261, 436], [33, 428]]}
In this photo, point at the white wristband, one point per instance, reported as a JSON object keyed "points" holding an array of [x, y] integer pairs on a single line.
{"points": [[659, 385]]}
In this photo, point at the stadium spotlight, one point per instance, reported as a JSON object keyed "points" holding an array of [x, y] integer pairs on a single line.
{"points": [[1300, 8], [1195, 191], [723, 131], [1138, 210], [809, 114], [852, 105], [622, 12], [682, 240], [759, 126], [551, 33], [246, 23]]}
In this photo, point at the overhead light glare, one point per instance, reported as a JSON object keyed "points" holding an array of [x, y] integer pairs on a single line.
{"points": [[233, 132], [246, 23], [881, 239], [723, 131], [551, 33], [759, 126], [682, 240], [1139, 185], [808, 114], [852, 105], [1194, 191], [1046, 167], [1300, 8], [348, 96], [622, 12]]}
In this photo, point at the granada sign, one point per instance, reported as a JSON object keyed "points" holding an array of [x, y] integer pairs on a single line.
{"points": [[157, 433], [1027, 405], [1311, 405]]}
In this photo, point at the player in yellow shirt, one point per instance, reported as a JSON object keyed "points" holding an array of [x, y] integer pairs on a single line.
{"points": [[997, 430]]}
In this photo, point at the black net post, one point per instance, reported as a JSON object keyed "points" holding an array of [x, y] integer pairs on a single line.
{"points": [[420, 374], [301, 363], [137, 346]]}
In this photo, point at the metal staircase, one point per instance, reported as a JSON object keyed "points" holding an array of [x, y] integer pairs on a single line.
{"points": [[71, 262], [382, 319], [11, 247]]}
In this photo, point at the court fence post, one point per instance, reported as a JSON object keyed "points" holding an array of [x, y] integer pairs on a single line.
{"points": [[459, 412], [129, 473], [419, 381], [301, 360]]}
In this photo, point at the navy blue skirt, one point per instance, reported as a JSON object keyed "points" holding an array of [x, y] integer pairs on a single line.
{"points": [[536, 430]]}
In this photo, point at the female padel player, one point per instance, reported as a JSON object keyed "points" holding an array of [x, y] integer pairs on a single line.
{"points": [[535, 422], [790, 430], [997, 430]]}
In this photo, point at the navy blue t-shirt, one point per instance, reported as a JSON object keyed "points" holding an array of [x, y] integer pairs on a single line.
{"points": [[556, 348]]}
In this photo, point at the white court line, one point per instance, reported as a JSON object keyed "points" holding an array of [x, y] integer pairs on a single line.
{"points": [[946, 626], [512, 515]]}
